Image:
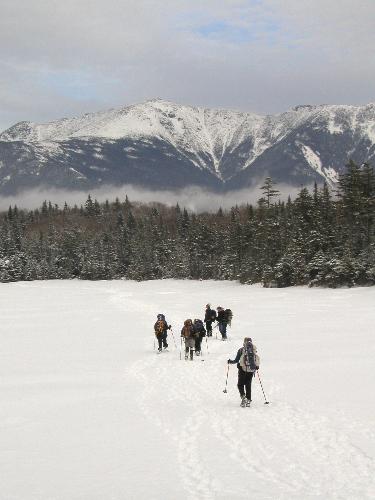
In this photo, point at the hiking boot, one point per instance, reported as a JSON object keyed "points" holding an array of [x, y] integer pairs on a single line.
{"points": [[243, 401], [248, 401], [198, 353]]}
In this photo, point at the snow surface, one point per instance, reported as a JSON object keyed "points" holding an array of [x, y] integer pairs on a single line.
{"points": [[90, 411]]}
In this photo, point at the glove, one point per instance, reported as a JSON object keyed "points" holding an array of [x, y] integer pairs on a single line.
{"points": [[229, 361], [169, 327]]}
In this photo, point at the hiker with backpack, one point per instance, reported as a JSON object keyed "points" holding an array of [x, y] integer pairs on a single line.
{"points": [[200, 332], [161, 328], [247, 361], [209, 318], [189, 335], [222, 320]]}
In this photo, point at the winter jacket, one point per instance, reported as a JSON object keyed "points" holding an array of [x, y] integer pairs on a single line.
{"points": [[210, 315], [239, 359], [199, 329], [164, 329]]}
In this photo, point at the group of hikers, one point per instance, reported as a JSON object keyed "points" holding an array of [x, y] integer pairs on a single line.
{"points": [[193, 332]]}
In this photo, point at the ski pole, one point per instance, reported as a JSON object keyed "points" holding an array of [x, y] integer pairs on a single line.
{"points": [[265, 399], [175, 345], [226, 381]]}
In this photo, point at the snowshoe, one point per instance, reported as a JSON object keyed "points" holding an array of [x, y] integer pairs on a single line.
{"points": [[243, 401], [248, 401], [197, 353], [159, 350]]}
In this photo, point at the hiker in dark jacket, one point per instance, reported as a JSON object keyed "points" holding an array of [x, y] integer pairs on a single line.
{"points": [[161, 328], [200, 332], [189, 335], [222, 320], [247, 363], [209, 318]]}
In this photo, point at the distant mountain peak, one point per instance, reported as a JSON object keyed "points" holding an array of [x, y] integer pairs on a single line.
{"points": [[158, 142]]}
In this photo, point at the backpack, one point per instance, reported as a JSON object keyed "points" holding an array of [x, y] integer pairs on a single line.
{"points": [[249, 360], [160, 326], [198, 324], [228, 316]]}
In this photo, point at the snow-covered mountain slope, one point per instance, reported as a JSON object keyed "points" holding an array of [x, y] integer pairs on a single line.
{"points": [[90, 411], [174, 146]]}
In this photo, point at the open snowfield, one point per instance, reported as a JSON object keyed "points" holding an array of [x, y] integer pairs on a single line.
{"points": [[89, 411]]}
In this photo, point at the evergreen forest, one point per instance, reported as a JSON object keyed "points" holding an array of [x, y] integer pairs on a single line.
{"points": [[323, 237]]}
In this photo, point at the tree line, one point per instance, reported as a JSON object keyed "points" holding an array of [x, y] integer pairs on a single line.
{"points": [[323, 237]]}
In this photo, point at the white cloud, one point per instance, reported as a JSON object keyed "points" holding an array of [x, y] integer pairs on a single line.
{"points": [[63, 58]]}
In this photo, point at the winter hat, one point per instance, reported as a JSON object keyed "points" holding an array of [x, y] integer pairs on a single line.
{"points": [[247, 339], [208, 305]]}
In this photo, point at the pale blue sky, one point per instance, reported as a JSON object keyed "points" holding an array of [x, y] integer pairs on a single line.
{"points": [[64, 58]]}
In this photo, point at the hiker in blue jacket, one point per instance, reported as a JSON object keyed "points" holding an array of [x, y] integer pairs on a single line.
{"points": [[247, 363]]}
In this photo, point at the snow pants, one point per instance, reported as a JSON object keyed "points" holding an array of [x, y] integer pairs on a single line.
{"points": [[209, 328], [189, 346], [198, 343], [223, 330], [162, 340], [244, 382]]}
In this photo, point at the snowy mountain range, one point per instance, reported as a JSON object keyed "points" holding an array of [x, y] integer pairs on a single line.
{"points": [[159, 144]]}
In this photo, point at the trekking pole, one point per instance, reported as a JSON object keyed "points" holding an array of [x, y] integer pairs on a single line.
{"points": [[201, 351], [216, 330], [154, 343], [226, 381], [181, 349], [208, 352], [265, 399], [175, 345]]}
